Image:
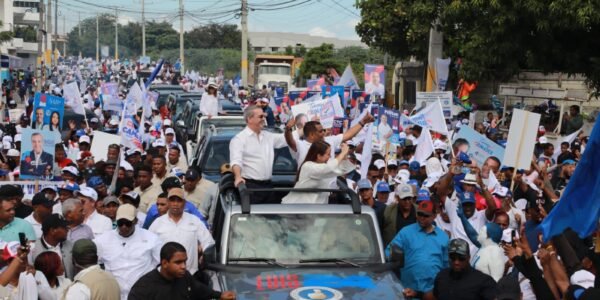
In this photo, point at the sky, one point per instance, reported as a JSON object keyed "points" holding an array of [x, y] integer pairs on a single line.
{"points": [[328, 18]]}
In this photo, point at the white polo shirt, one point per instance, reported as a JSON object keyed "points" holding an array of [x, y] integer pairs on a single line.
{"points": [[128, 258], [189, 232], [98, 223], [37, 227]]}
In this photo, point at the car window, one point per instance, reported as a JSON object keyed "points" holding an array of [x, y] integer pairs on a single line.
{"points": [[291, 237], [218, 153]]}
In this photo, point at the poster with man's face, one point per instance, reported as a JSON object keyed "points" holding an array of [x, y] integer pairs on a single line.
{"points": [[37, 154], [375, 80]]}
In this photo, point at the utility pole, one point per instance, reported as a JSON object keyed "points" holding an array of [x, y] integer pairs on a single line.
{"points": [[116, 33], [55, 30], [97, 40], [436, 44], [49, 30], [143, 30], [181, 56], [65, 34], [79, 27], [245, 43], [40, 38]]}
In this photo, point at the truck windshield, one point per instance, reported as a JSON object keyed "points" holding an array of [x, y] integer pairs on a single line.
{"points": [[276, 70], [289, 238]]}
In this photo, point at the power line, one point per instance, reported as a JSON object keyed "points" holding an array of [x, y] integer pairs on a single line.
{"points": [[282, 7], [345, 8]]}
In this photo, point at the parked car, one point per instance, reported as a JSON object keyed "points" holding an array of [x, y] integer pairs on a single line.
{"points": [[299, 251]]}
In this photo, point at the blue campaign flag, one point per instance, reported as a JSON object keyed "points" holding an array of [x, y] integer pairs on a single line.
{"points": [[154, 73], [578, 207]]}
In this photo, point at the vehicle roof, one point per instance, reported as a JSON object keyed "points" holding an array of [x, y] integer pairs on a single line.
{"points": [[343, 209]]}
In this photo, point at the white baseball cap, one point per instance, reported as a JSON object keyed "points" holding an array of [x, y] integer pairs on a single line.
{"points": [[18, 137], [167, 122], [84, 139], [379, 163], [583, 278], [263, 99], [402, 177], [169, 131], [88, 192], [438, 144], [13, 152], [71, 170], [543, 140], [159, 143]]}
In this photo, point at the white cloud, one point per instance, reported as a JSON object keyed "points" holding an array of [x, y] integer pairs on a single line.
{"points": [[319, 31], [352, 23]]}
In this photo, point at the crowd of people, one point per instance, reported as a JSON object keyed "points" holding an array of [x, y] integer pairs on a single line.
{"points": [[136, 224], [467, 231]]}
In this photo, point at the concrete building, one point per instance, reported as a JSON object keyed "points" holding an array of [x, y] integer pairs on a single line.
{"points": [[16, 15], [274, 42]]}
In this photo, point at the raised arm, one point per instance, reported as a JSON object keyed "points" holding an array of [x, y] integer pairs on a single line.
{"points": [[354, 130], [289, 138]]}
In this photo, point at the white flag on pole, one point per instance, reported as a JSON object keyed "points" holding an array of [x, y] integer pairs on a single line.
{"points": [[424, 147], [365, 159], [492, 182], [432, 117], [348, 79], [72, 97]]}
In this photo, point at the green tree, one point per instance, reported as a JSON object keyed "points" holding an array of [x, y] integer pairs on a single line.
{"points": [[289, 50], [300, 51], [5, 36], [224, 36], [27, 33], [493, 39], [318, 60]]}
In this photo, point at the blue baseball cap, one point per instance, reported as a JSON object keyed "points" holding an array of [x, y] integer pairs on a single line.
{"points": [[414, 166], [423, 195], [466, 197], [364, 184], [80, 133], [404, 162], [568, 162], [383, 187], [73, 187], [464, 158], [94, 181], [413, 182]]}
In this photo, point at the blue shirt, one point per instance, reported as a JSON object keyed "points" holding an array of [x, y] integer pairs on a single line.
{"points": [[10, 232], [425, 254], [152, 214]]}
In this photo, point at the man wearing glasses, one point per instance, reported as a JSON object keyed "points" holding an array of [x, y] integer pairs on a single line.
{"points": [[129, 251], [252, 152], [461, 281], [425, 248]]}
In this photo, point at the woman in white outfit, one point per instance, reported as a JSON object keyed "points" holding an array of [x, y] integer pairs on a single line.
{"points": [[316, 172], [209, 104]]}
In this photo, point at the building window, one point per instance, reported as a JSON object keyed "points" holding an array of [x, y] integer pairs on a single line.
{"points": [[258, 49], [26, 4], [274, 49]]}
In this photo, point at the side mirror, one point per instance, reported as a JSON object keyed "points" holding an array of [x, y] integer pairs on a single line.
{"points": [[180, 124], [210, 255], [397, 255]]}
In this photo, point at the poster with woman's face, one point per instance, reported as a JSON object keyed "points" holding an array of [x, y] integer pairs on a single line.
{"points": [[51, 108], [375, 80]]}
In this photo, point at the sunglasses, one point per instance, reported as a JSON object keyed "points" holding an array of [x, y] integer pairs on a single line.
{"points": [[125, 223], [422, 215], [458, 257], [323, 130]]}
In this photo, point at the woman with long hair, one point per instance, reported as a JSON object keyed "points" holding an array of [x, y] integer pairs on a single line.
{"points": [[50, 264], [54, 122], [209, 104], [316, 172]]}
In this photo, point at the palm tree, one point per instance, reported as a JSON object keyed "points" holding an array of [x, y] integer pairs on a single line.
{"points": [[5, 36]]}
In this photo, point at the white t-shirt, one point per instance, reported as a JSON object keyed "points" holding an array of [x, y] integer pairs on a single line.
{"points": [[383, 130], [477, 220]]}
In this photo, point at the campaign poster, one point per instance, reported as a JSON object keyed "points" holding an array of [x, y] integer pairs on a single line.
{"points": [[329, 91], [29, 187], [37, 156], [110, 96], [388, 125], [339, 125], [477, 146], [323, 110], [50, 109], [313, 85], [358, 98], [425, 98], [375, 80], [295, 97]]}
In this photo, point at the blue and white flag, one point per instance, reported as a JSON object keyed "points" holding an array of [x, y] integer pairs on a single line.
{"points": [[348, 79]]}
